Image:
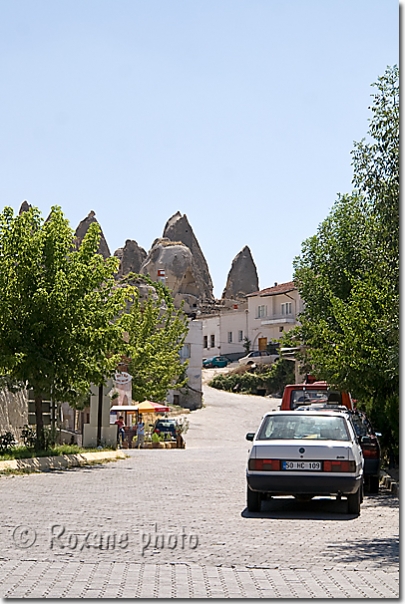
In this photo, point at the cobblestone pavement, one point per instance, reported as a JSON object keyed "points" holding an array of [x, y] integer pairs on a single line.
{"points": [[173, 523]]}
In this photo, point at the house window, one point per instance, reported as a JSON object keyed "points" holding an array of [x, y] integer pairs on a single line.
{"points": [[286, 309], [229, 337], [205, 341], [240, 336], [261, 311], [212, 337]]}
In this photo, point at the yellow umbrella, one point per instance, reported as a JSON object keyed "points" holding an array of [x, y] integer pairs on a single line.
{"points": [[150, 407]]}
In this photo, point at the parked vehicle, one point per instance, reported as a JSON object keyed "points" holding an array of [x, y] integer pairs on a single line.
{"points": [[215, 362], [258, 357], [305, 454], [368, 440], [370, 446], [297, 395], [165, 426]]}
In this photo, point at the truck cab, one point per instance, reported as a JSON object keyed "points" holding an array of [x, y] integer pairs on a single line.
{"points": [[308, 393]]}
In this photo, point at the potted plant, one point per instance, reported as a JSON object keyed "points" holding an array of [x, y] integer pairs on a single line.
{"points": [[155, 440]]}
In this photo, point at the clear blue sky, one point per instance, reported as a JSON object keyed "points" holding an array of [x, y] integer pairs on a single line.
{"points": [[239, 113]]}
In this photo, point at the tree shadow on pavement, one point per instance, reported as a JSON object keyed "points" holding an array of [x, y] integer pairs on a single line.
{"points": [[384, 499], [287, 508], [384, 551]]}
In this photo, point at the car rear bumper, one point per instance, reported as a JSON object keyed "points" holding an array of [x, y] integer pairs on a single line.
{"points": [[281, 484]]}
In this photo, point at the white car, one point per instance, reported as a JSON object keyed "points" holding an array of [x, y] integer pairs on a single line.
{"points": [[305, 454], [258, 357]]}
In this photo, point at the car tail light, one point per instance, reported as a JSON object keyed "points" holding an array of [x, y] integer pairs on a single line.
{"points": [[370, 451], [339, 466], [263, 465], [157, 431]]}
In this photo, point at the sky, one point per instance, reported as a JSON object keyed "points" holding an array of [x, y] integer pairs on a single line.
{"points": [[240, 114]]}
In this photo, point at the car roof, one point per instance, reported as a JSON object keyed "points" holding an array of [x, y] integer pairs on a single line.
{"points": [[332, 413], [323, 406]]}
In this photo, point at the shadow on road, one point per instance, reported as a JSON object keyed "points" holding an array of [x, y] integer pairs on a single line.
{"points": [[286, 508], [385, 551], [384, 499]]}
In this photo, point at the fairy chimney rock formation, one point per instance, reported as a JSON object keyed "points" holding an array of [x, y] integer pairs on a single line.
{"points": [[131, 258], [25, 206], [242, 278], [171, 262], [178, 229], [81, 231]]}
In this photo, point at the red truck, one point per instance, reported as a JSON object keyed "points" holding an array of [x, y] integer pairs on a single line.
{"points": [[308, 393]]}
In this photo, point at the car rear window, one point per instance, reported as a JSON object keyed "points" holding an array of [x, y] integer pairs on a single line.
{"points": [[308, 397], [359, 425], [289, 427]]}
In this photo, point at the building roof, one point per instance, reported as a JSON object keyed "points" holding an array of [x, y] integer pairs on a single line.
{"points": [[280, 288]]}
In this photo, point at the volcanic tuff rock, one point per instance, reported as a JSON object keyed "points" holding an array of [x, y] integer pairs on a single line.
{"points": [[176, 260], [131, 258], [242, 278], [25, 206], [81, 231], [178, 229]]}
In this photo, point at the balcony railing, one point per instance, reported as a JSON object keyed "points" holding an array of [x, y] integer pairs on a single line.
{"points": [[273, 319]]}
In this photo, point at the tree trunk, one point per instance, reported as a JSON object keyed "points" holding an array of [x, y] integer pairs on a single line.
{"points": [[40, 441]]}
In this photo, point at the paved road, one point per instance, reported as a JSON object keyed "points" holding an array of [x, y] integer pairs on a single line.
{"points": [[173, 523]]}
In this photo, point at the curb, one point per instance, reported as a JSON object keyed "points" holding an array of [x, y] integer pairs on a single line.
{"points": [[57, 462], [389, 483]]}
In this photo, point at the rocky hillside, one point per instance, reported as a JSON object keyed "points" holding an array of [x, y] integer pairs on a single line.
{"points": [[177, 260]]}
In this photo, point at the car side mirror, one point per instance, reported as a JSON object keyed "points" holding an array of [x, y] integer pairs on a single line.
{"points": [[365, 440], [250, 436]]}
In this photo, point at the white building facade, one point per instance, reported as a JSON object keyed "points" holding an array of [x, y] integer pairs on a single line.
{"points": [[224, 333], [190, 397], [272, 312], [269, 314]]}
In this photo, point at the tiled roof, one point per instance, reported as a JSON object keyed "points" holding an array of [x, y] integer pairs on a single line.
{"points": [[280, 288]]}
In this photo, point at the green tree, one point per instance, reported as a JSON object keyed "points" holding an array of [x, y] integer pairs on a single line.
{"points": [[156, 333], [348, 273], [58, 306]]}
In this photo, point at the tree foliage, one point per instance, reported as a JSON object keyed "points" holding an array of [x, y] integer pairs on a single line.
{"points": [[57, 307], [348, 273], [156, 333]]}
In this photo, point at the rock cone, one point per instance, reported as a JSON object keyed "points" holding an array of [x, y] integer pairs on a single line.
{"points": [[81, 231], [25, 206], [178, 229], [171, 262], [242, 278], [131, 256]]}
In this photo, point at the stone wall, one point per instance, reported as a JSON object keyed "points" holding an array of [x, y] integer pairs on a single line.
{"points": [[13, 411]]}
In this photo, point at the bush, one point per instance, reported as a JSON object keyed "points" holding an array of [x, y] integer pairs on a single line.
{"points": [[7, 442], [29, 438], [270, 379]]}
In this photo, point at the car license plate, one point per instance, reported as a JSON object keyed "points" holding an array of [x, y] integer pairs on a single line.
{"points": [[302, 465]]}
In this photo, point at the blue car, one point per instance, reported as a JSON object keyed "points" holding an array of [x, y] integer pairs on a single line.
{"points": [[215, 362]]}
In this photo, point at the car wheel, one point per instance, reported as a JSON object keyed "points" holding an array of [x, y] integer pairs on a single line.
{"points": [[353, 502], [254, 501], [374, 484]]}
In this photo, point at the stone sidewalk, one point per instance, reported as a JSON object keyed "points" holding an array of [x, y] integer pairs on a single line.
{"points": [[68, 579]]}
